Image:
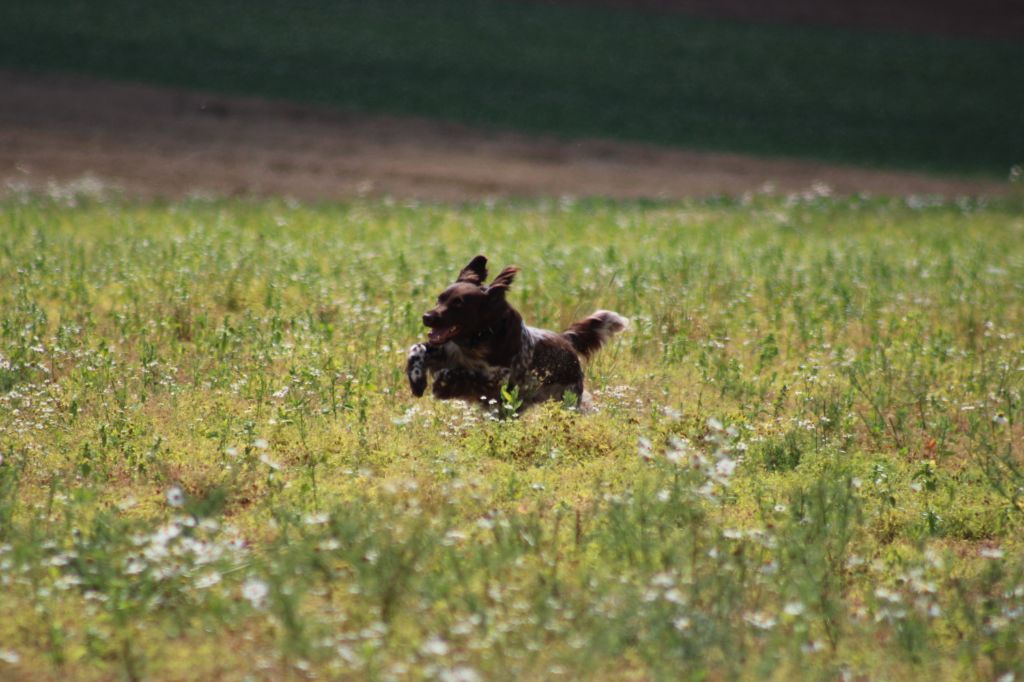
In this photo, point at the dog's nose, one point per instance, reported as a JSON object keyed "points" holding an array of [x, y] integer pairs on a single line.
{"points": [[430, 318]]}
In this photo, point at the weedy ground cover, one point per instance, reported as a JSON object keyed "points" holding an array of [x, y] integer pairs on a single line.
{"points": [[804, 458]]}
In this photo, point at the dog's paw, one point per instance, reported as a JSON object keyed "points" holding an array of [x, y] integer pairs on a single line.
{"points": [[416, 368]]}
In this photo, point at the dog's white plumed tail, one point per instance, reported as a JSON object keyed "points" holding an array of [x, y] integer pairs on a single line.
{"points": [[589, 334]]}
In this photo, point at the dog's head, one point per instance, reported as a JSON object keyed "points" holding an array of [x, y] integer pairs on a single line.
{"points": [[468, 306]]}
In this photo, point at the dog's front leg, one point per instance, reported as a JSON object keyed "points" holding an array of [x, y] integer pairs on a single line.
{"points": [[422, 358], [459, 382]]}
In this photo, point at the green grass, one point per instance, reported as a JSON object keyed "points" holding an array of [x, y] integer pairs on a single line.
{"points": [[878, 99], [804, 459]]}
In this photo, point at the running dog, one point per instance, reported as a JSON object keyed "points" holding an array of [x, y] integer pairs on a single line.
{"points": [[478, 344]]}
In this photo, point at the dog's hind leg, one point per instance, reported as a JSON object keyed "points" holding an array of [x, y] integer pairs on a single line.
{"points": [[568, 393]]}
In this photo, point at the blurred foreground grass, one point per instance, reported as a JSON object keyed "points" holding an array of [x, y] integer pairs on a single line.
{"points": [[805, 458]]}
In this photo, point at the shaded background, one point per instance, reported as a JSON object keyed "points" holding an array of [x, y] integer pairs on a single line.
{"points": [[926, 87]]}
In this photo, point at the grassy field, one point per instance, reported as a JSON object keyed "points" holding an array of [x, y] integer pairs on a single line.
{"points": [[878, 99], [805, 458]]}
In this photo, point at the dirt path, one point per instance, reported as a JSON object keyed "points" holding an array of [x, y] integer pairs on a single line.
{"points": [[152, 141]]}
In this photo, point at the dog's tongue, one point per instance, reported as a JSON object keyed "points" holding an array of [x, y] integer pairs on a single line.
{"points": [[440, 335]]}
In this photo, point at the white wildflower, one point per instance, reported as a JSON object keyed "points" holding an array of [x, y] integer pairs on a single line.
{"points": [[760, 620], [207, 580], [991, 553], [255, 591], [663, 580], [453, 537], [885, 594], [460, 673], [681, 623], [813, 646], [175, 496], [675, 596], [435, 646], [270, 463]]}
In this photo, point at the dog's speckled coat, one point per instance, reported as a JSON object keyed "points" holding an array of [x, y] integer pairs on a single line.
{"points": [[478, 343]]}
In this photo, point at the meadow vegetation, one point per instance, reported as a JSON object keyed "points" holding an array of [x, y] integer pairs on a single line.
{"points": [[804, 458]]}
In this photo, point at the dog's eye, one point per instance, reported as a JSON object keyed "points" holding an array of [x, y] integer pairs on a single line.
{"points": [[457, 303]]}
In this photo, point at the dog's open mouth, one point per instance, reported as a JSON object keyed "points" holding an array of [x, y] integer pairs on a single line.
{"points": [[442, 335]]}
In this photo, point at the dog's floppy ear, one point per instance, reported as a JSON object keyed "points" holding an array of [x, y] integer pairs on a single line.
{"points": [[503, 281], [475, 272]]}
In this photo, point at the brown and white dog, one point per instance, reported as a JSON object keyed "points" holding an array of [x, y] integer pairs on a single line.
{"points": [[478, 343]]}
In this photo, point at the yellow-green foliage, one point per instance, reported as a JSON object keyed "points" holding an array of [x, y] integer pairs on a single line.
{"points": [[803, 458]]}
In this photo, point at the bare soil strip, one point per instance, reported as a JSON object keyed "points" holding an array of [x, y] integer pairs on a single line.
{"points": [[163, 142]]}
